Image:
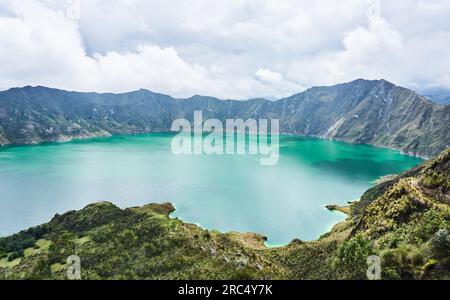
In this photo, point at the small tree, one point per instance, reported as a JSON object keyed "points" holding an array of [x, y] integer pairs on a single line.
{"points": [[440, 244], [351, 261]]}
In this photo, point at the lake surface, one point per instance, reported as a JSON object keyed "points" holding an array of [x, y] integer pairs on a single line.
{"points": [[226, 192]]}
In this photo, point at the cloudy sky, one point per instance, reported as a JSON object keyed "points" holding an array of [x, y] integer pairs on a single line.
{"points": [[226, 48]]}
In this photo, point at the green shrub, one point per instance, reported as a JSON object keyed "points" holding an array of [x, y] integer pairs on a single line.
{"points": [[434, 180], [17, 243], [41, 270], [390, 274], [440, 244], [395, 238], [402, 263], [54, 255], [152, 249], [431, 222], [14, 255], [102, 234], [351, 260], [128, 237]]}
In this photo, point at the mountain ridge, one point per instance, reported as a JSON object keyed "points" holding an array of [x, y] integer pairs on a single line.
{"points": [[373, 112], [204, 96]]}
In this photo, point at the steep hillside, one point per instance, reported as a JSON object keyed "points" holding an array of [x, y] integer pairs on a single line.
{"points": [[136, 243], [370, 112], [405, 221]]}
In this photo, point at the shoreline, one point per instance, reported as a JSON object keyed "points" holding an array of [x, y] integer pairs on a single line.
{"points": [[264, 239], [106, 135]]}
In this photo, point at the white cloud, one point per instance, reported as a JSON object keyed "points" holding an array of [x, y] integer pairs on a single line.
{"points": [[229, 48], [269, 76]]}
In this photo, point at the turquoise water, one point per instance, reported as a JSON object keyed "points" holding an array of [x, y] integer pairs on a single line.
{"points": [[226, 192]]}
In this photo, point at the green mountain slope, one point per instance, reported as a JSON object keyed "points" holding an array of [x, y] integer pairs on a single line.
{"points": [[362, 111], [405, 221]]}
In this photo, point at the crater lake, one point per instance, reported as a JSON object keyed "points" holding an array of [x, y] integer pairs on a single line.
{"points": [[221, 192]]}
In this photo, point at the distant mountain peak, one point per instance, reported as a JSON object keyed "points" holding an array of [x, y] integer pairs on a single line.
{"points": [[197, 96]]}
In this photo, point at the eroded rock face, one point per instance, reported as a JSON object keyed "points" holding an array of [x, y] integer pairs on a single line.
{"points": [[3, 141], [372, 112]]}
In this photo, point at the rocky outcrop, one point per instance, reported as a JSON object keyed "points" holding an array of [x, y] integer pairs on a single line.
{"points": [[342, 209]]}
